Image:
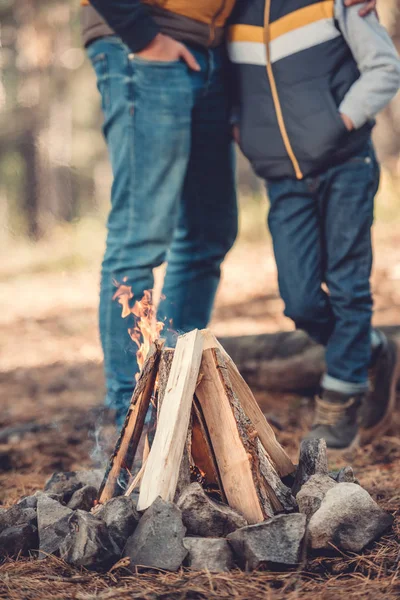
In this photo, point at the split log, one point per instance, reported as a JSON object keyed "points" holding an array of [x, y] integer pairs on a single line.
{"points": [[167, 357], [128, 441], [202, 451], [235, 442], [287, 361], [276, 453], [162, 468]]}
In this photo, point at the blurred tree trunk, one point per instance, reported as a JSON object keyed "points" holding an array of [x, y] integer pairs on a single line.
{"points": [[30, 198]]}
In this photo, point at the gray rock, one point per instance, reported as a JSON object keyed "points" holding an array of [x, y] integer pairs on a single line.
{"points": [[28, 502], [205, 518], [18, 540], [312, 493], [83, 499], [343, 475], [88, 543], [121, 517], [208, 554], [64, 483], [53, 524], [39, 493], [158, 539], [275, 542], [348, 519], [68, 482], [313, 460], [17, 515]]}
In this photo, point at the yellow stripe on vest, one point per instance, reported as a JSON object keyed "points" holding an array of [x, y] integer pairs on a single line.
{"points": [[295, 20], [300, 18]]}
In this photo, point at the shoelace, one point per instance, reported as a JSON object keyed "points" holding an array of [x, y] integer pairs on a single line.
{"points": [[329, 413]]}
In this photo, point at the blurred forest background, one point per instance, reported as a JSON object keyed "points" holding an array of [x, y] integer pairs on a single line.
{"points": [[53, 162]]}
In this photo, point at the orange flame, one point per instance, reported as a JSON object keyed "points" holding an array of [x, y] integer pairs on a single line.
{"points": [[146, 329]]}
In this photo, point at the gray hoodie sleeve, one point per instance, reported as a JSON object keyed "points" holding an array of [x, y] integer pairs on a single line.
{"points": [[377, 60]]}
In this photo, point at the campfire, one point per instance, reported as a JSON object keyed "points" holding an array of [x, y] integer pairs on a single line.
{"points": [[208, 424], [215, 489]]}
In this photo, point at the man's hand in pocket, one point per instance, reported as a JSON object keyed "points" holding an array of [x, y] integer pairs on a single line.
{"points": [[165, 49]]}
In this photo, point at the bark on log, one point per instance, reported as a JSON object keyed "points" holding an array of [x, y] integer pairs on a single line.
{"points": [[275, 452], [287, 361], [240, 456], [128, 441]]}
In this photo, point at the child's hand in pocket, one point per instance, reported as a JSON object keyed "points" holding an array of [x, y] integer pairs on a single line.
{"points": [[347, 122]]}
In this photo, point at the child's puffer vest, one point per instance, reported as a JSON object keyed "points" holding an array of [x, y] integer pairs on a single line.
{"points": [[292, 69]]}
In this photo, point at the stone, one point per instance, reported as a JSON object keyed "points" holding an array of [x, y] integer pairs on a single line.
{"points": [[88, 543], [204, 517], [53, 524], [348, 519], [313, 492], [17, 515], [18, 540], [28, 502], [276, 542], [53, 496], [121, 517], [343, 475], [313, 460], [208, 554], [68, 482], [83, 499], [157, 541]]}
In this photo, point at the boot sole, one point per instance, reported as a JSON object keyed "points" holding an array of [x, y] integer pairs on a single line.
{"points": [[367, 435]]}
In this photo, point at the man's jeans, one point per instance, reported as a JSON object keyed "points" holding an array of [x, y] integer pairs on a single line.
{"points": [[173, 196], [321, 231]]}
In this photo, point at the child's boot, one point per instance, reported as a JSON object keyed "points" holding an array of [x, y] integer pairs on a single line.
{"points": [[380, 402], [337, 419]]}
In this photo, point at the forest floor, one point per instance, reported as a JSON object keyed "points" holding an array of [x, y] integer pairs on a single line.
{"points": [[51, 384]]}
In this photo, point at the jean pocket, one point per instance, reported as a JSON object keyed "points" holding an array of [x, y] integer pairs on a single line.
{"points": [[100, 66]]}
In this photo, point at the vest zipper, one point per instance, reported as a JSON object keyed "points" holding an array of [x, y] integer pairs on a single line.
{"points": [[214, 20], [275, 95]]}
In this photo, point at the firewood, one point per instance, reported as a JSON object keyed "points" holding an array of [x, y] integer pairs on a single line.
{"points": [[162, 468], [276, 453], [202, 450], [164, 370], [234, 441], [163, 375], [184, 475], [137, 479], [128, 441]]}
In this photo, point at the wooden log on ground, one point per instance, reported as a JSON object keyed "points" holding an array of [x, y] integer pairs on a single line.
{"points": [[162, 468], [235, 443], [276, 453], [128, 441], [287, 361]]}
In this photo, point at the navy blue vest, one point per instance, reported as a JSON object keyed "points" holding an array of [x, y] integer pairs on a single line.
{"points": [[292, 69]]}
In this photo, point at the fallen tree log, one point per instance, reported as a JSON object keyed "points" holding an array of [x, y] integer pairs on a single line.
{"points": [[287, 361]]}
